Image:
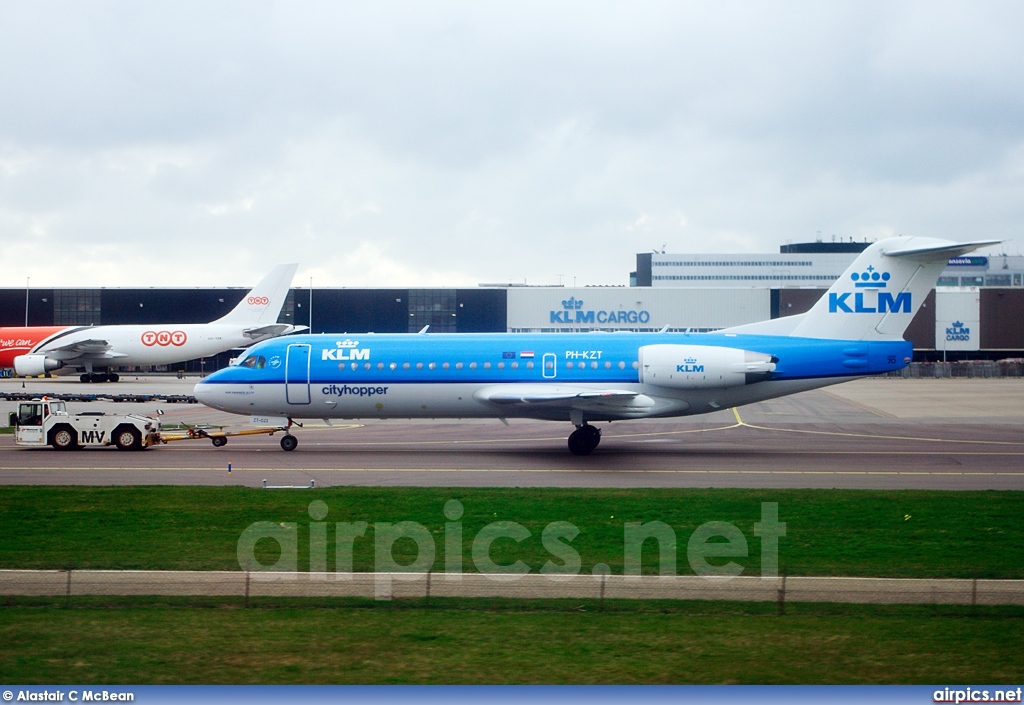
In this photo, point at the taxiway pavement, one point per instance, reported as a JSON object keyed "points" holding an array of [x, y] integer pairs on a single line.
{"points": [[960, 434]]}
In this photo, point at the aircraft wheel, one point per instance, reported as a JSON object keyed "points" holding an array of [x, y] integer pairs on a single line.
{"points": [[289, 442], [584, 440], [86, 377], [219, 441], [113, 377], [64, 438], [127, 439]]}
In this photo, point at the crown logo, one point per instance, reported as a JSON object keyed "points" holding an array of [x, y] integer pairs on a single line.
{"points": [[347, 343], [572, 303], [958, 324], [690, 361], [870, 279]]}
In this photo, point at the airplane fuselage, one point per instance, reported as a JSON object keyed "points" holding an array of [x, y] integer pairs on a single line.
{"points": [[128, 344], [601, 376]]}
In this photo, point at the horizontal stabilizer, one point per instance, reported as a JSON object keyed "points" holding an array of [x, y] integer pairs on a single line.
{"points": [[940, 251], [272, 331]]}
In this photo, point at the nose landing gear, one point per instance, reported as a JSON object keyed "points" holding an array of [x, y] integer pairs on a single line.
{"points": [[584, 439]]}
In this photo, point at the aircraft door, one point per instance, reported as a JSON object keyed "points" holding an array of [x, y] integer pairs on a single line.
{"points": [[549, 365], [296, 374]]}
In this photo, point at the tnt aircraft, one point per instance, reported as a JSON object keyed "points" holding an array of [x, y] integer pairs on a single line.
{"points": [[855, 329], [37, 350]]}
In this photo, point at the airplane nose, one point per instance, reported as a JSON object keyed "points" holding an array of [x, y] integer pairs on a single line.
{"points": [[206, 394]]}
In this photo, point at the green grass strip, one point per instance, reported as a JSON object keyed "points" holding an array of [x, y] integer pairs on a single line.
{"points": [[918, 534], [564, 643]]}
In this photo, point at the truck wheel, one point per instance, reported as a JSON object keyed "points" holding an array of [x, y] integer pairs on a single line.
{"points": [[219, 441], [289, 442], [127, 439], [64, 438]]}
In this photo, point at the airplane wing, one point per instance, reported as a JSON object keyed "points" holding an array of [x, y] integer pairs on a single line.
{"points": [[545, 399], [95, 349]]}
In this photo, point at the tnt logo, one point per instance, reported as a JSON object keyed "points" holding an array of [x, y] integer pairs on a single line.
{"points": [[257, 301], [164, 338], [865, 301], [572, 304]]}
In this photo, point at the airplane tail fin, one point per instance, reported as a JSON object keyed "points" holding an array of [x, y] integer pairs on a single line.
{"points": [[262, 305], [878, 296]]}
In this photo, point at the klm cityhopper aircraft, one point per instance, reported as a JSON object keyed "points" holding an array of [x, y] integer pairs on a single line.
{"points": [[856, 329]]}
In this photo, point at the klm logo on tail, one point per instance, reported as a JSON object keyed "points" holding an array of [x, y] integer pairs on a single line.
{"points": [[869, 301]]}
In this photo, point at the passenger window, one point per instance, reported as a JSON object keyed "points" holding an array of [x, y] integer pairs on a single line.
{"points": [[529, 365], [593, 365], [458, 365], [501, 365], [419, 365], [607, 365], [487, 365], [405, 365], [366, 365], [622, 365], [515, 365], [380, 366], [472, 365], [432, 365], [393, 365], [446, 365]]}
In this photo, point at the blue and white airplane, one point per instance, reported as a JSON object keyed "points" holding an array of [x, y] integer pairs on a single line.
{"points": [[855, 329]]}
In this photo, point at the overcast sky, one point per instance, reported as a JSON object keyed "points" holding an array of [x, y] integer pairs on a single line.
{"points": [[448, 143]]}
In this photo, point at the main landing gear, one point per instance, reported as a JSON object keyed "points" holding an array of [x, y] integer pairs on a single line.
{"points": [[584, 439], [100, 377]]}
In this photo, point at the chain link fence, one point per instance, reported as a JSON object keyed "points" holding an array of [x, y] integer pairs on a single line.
{"points": [[977, 369]]}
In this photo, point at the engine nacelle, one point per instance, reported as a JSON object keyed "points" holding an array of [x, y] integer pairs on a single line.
{"points": [[702, 366], [35, 364]]}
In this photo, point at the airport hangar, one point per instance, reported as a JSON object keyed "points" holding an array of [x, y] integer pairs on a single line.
{"points": [[975, 312]]}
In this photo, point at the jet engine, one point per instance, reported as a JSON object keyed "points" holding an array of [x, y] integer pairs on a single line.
{"points": [[35, 364], [702, 366]]}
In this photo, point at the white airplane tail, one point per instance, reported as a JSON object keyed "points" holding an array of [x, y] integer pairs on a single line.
{"points": [[878, 296], [262, 305]]}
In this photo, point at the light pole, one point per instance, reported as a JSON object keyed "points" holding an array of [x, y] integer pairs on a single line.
{"points": [[27, 280]]}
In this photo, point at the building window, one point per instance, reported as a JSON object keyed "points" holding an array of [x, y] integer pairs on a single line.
{"points": [[76, 307], [997, 280], [433, 307]]}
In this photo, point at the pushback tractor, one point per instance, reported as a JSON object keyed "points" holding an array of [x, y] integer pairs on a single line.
{"points": [[46, 422], [42, 422]]}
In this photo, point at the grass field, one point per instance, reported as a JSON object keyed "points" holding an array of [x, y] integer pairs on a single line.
{"points": [[829, 532], [554, 642]]}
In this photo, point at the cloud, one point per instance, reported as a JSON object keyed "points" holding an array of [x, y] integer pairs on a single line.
{"points": [[392, 144]]}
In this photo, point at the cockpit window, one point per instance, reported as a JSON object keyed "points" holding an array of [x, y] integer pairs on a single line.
{"points": [[254, 362]]}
